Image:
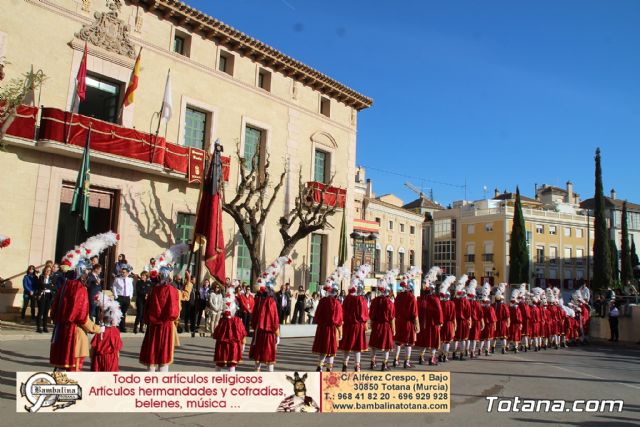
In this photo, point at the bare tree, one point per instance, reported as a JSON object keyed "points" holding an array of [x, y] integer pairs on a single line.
{"points": [[306, 217], [251, 204]]}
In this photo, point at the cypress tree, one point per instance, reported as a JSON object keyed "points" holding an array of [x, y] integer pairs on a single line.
{"points": [[518, 252], [601, 250], [615, 262], [626, 269]]}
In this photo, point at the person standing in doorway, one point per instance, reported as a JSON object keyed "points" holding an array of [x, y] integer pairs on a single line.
{"points": [[143, 287], [284, 303], [94, 286], [46, 290]]}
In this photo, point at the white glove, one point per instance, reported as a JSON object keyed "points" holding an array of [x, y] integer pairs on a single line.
{"points": [[277, 340], [101, 330]]}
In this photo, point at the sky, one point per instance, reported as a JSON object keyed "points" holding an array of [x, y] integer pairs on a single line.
{"points": [[493, 94]]}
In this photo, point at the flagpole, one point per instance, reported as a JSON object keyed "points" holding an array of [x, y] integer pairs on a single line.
{"points": [[155, 139]]}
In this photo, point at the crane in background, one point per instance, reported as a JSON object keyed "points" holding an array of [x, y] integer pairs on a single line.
{"points": [[419, 192]]}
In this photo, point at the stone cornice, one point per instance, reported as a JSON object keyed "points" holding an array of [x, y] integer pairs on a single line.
{"points": [[213, 29]]}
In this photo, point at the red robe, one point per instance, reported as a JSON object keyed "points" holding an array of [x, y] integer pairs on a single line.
{"points": [[229, 335], [265, 325], [430, 315], [515, 327], [328, 317], [105, 350], [406, 314], [546, 324], [535, 321], [502, 315], [447, 332], [162, 308], [525, 311], [356, 314], [490, 319], [585, 316], [382, 312], [70, 309], [463, 314], [476, 320]]}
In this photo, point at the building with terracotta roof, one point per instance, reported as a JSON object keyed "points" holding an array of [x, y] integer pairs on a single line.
{"points": [[226, 85]]}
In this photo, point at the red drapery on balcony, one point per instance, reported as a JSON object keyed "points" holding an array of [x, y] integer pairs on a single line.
{"points": [[106, 137], [333, 196], [24, 124]]}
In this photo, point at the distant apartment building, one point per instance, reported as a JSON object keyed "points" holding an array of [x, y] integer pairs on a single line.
{"points": [[385, 234], [473, 237]]}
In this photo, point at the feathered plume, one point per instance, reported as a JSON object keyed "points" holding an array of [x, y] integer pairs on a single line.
{"points": [[230, 306], [110, 309], [433, 274], [446, 284], [269, 276], [408, 278], [586, 293], [523, 290], [471, 287], [4, 241], [499, 292], [334, 279], [390, 277], [171, 254], [93, 246], [486, 291]]}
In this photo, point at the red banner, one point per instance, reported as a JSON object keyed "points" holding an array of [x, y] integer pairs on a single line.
{"points": [[24, 123], [196, 165]]}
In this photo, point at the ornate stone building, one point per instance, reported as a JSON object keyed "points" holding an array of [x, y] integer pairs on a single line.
{"points": [[226, 85]]}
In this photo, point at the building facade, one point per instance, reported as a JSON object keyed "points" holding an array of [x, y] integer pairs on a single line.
{"points": [[473, 238], [392, 235], [225, 85]]}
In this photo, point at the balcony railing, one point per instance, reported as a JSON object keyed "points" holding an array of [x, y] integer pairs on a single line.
{"points": [[487, 257], [328, 195], [61, 127], [470, 257]]}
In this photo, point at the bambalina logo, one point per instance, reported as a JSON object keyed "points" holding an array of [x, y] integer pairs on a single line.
{"points": [[56, 390]]}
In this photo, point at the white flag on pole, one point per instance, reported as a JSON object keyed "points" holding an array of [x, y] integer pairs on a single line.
{"points": [[167, 102]]}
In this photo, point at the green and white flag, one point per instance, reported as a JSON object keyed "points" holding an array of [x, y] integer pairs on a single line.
{"points": [[80, 201]]}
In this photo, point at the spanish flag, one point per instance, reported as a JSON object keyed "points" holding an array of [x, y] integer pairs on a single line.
{"points": [[133, 82]]}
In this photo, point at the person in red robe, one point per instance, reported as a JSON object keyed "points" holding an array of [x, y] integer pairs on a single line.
{"points": [[356, 315], [502, 316], [106, 346], [525, 312], [329, 319], [463, 318], [477, 319], [448, 330], [535, 319], [162, 309], [230, 335], [430, 317], [515, 321], [489, 320], [382, 314], [70, 314], [407, 321]]}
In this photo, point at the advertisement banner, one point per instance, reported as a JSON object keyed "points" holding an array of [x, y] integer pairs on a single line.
{"points": [[231, 392], [196, 165]]}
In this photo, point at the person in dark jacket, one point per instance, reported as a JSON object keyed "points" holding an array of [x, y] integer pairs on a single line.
{"points": [[143, 287], [94, 287], [44, 296], [283, 298], [29, 287]]}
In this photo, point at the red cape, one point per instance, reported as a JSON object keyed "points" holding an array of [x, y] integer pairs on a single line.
{"points": [[105, 350], [70, 309], [161, 310]]}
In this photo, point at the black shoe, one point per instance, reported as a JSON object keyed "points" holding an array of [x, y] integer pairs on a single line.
{"points": [[344, 368], [395, 363], [39, 330], [431, 361], [135, 329], [407, 364], [421, 360], [385, 366], [372, 366], [504, 351], [462, 357], [486, 352], [319, 368], [193, 334], [45, 330]]}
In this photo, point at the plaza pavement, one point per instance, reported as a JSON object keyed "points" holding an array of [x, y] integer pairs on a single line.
{"points": [[595, 371]]}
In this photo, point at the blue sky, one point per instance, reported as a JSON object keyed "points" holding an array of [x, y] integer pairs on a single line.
{"points": [[497, 93]]}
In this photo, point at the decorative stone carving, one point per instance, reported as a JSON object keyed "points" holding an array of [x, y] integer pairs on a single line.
{"points": [[108, 31], [86, 5]]}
